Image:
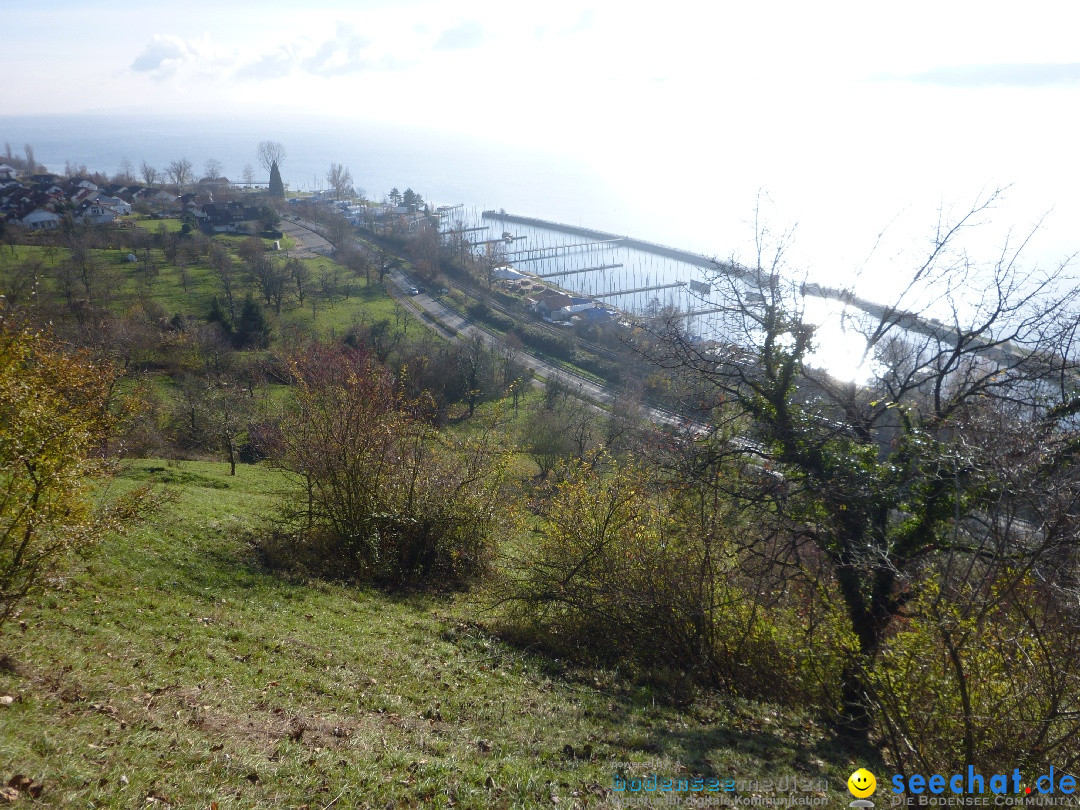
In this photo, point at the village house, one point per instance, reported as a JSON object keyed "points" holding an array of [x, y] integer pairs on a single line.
{"points": [[40, 219], [94, 212], [117, 204], [231, 217]]}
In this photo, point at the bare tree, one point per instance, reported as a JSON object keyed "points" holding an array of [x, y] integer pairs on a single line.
{"points": [[385, 261], [269, 153], [127, 172], [212, 168], [272, 277], [932, 478], [223, 266], [249, 174], [31, 164], [180, 173], [149, 174], [339, 179], [339, 231], [230, 411]]}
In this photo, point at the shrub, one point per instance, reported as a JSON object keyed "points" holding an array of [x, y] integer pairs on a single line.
{"points": [[963, 658], [620, 574], [382, 496], [54, 425]]}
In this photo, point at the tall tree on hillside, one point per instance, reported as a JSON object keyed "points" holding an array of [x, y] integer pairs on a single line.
{"points": [[277, 188], [942, 491], [212, 168], [270, 154]]}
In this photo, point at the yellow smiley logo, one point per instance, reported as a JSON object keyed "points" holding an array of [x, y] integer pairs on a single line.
{"points": [[862, 783]]}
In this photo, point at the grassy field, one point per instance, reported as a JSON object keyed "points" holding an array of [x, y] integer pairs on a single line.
{"points": [[169, 668]]}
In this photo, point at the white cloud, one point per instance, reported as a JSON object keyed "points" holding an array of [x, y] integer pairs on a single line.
{"points": [[464, 35], [1001, 75], [347, 52], [271, 65], [163, 55]]}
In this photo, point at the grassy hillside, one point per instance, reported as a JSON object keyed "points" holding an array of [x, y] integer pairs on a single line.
{"points": [[171, 669]]}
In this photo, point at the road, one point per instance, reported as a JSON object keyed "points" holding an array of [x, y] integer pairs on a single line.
{"points": [[452, 326], [308, 243]]}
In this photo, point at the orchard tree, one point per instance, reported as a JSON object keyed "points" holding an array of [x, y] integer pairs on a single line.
{"points": [[301, 276], [271, 276], [225, 269]]}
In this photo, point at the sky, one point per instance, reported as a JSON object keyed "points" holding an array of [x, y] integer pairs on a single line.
{"points": [[848, 115]]}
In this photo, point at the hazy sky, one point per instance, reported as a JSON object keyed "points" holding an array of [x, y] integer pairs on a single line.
{"points": [[468, 64], [871, 105]]}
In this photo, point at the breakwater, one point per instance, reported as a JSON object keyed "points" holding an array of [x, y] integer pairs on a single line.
{"points": [[696, 259]]}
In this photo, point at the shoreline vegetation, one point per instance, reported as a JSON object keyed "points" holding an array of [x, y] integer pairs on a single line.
{"points": [[376, 564]]}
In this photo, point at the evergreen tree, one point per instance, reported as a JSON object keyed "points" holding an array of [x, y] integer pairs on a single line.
{"points": [[219, 316], [277, 188], [252, 327], [269, 219]]}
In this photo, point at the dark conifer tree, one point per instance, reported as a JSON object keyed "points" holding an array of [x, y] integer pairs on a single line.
{"points": [[252, 327], [277, 188]]}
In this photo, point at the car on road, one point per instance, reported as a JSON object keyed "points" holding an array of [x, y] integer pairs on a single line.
{"points": [[413, 291]]}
